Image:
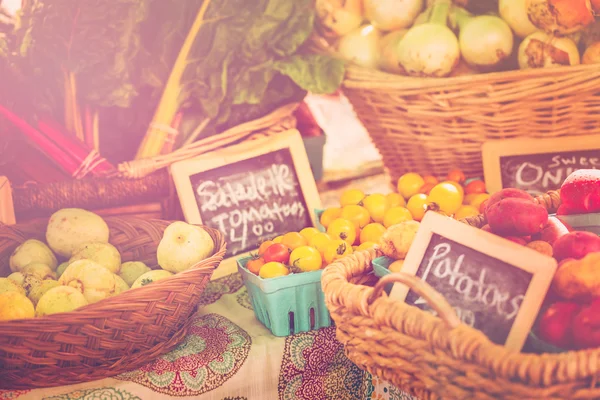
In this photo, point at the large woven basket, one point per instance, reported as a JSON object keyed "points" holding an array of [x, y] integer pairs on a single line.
{"points": [[109, 337], [438, 357]]}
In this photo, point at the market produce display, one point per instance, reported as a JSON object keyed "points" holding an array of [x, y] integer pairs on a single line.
{"points": [[92, 270], [438, 39]]}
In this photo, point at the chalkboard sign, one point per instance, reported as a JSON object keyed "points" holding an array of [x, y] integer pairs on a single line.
{"points": [[252, 192], [494, 285], [539, 165]]}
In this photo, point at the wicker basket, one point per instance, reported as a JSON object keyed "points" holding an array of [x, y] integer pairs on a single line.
{"points": [[112, 336], [438, 357]]}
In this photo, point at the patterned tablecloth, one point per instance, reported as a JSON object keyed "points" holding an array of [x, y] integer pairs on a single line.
{"points": [[229, 355]]}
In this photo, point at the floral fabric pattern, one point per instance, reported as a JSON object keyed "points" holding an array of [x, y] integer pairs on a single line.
{"points": [[213, 351], [96, 394], [216, 289], [385, 391], [314, 367], [243, 299], [12, 394]]}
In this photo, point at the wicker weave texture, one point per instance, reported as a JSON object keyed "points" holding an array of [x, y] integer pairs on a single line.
{"points": [[432, 125], [109, 337]]}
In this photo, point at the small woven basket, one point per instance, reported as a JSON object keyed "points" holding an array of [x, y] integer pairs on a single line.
{"points": [[109, 337], [438, 357]]}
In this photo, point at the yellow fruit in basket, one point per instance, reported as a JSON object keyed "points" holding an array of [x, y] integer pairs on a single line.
{"points": [[120, 285], [308, 233], [366, 246], [330, 215], [183, 246], [132, 270], [466, 211], [70, 228], [393, 200], [409, 184], [417, 205], [36, 292], [469, 198], [342, 229], [445, 197], [375, 204], [352, 197], [278, 239], [14, 305], [458, 187], [396, 215], [273, 270], [92, 279], [32, 251], [17, 277], [357, 215], [320, 241], [293, 240], [31, 281], [396, 266], [60, 299], [61, 268], [397, 240], [478, 200], [8, 285], [305, 259], [104, 254], [337, 249], [40, 270], [150, 277], [372, 233]]}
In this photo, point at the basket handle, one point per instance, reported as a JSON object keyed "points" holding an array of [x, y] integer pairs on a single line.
{"points": [[423, 289]]}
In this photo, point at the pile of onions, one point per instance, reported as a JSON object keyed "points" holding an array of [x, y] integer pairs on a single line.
{"points": [[339, 17], [391, 15], [541, 50], [388, 54], [361, 46], [560, 17], [485, 41], [514, 12], [430, 49]]}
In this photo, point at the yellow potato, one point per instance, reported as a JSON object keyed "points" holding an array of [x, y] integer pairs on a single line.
{"points": [[578, 279], [397, 239]]}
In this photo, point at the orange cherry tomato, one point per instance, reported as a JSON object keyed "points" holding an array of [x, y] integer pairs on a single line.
{"points": [[255, 265], [457, 176], [426, 188], [293, 240], [475, 187], [264, 246], [431, 179]]}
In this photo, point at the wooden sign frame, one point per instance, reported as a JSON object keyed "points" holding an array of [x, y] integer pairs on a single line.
{"points": [[7, 209], [291, 139], [540, 266], [493, 150]]}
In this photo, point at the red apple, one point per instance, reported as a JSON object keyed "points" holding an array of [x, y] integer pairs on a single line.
{"points": [[556, 322], [505, 194], [553, 230], [576, 245], [580, 192], [586, 326]]}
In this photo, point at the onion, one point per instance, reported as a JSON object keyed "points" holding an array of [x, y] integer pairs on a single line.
{"points": [[388, 57], [485, 41], [423, 18], [514, 12], [592, 54], [361, 46], [540, 50], [560, 17], [391, 15], [430, 49], [339, 17]]}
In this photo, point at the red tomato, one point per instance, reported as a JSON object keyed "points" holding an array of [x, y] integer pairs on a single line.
{"points": [[264, 246], [278, 253]]}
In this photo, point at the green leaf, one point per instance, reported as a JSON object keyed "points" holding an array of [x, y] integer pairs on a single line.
{"points": [[316, 73]]}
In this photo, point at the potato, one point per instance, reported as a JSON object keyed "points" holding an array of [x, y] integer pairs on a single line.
{"points": [[36, 293], [93, 280], [70, 228], [396, 266], [541, 247], [40, 270], [508, 193], [578, 279], [132, 270], [8, 285], [32, 251], [516, 217], [576, 245], [397, 239], [104, 254], [60, 299]]}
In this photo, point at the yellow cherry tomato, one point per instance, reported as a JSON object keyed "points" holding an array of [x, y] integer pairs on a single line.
{"points": [[478, 200], [466, 211], [293, 240], [366, 246], [342, 229], [372, 233], [306, 258], [356, 214], [352, 197], [273, 270], [393, 200], [320, 241], [329, 215], [458, 187], [337, 249], [409, 184], [375, 204], [457, 176], [469, 198], [396, 266], [396, 215], [446, 198], [308, 233], [278, 239], [417, 205]]}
